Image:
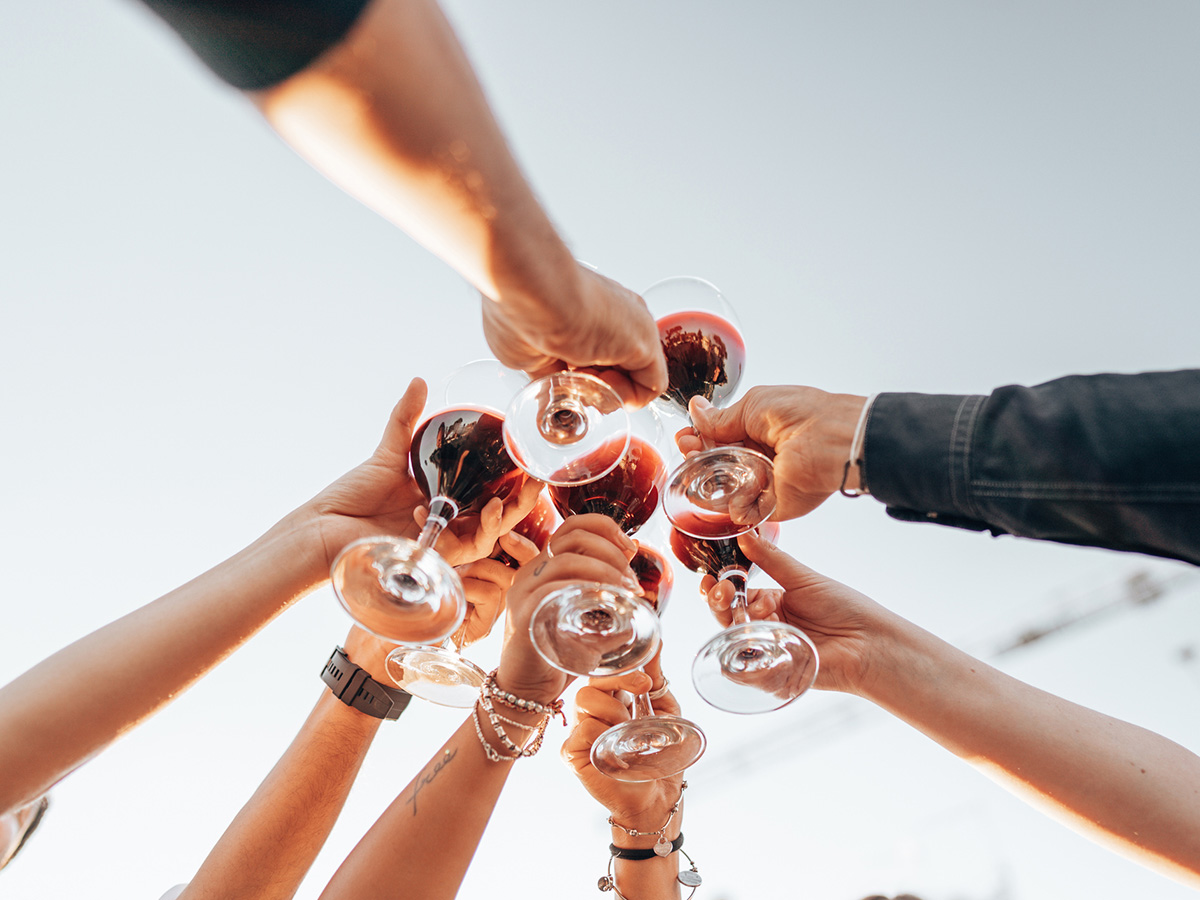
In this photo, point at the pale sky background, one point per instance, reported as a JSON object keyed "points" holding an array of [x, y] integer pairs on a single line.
{"points": [[199, 333]]}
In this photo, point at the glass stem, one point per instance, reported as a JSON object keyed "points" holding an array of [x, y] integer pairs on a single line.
{"points": [[641, 705], [740, 608], [441, 511]]}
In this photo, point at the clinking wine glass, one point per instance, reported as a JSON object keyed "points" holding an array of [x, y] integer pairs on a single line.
{"points": [[440, 673], [564, 429], [751, 666], [651, 745], [400, 589], [593, 629], [721, 491]]}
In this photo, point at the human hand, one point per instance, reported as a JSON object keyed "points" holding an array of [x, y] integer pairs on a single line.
{"points": [[807, 432], [381, 497], [850, 630], [643, 805], [485, 583], [587, 548], [596, 325]]}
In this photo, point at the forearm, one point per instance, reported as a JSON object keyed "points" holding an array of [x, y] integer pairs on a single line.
{"points": [[395, 115], [270, 845], [1099, 460], [423, 843], [70, 706], [1127, 787]]}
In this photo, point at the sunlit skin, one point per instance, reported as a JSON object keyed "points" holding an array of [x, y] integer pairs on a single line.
{"points": [[396, 117], [106, 683], [1123, 786], [423, 842], [806, 432], [639, 806]]}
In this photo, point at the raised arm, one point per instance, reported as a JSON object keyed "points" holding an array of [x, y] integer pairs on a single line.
{"points": [[644, 807], [1128, 788], [423, 843], [1100, 460], [72, 705], [384, 102], [266, 851]]}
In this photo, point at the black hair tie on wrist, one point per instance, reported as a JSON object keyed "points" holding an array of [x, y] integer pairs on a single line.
{"points": [[649, 853]]}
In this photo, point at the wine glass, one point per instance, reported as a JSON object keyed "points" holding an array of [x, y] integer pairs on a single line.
{"points": [[721, 491], [565, 428], [399, 589], [650, 745], [440, 673], [590, 629], [751, 666]]}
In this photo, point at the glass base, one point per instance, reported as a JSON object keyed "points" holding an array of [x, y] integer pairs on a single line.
{"points": [[721, 493], [755, 668], [399, 592], [595, 630], [436, 674], [648, 748], [566, 429]]}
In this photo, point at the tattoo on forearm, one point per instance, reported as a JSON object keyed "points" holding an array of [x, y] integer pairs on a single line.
{"points": [[425, 778], [540, 567]]}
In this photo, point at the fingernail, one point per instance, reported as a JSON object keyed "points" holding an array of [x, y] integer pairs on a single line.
{"points": [[702, 404], [633, 585]]}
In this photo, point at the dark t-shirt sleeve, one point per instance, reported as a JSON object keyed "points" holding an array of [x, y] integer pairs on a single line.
{"points": [[254, 44]]}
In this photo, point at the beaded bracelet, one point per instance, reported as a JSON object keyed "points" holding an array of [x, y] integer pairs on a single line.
{"points": [[512, 701]]}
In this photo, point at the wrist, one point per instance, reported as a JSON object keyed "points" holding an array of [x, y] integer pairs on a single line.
{"points": [[835, 441]]}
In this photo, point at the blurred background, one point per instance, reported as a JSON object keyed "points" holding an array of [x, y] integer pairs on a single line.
{"points": [[199, 333]]}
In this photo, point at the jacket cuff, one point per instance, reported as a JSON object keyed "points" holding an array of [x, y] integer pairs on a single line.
{"points": [[917, 450]]}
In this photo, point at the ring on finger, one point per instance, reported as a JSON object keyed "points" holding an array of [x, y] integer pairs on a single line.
{"points": [[659, 693]]}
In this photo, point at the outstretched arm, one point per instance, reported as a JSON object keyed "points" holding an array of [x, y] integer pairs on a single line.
{"points": [[72, 705], [423, 843], [1126, 787], [1100, 460], [392, 112], [266, 851]]}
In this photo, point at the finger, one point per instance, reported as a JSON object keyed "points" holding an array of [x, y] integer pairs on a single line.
{"points": [[707, 583], [724, 426], [788, 573], [519, 547], [619, 382], [581, 543], [650, 381], [654, 669], [520, 504], [688, 441], [577, 747], [635, 682], [487, 603], [601, 705], [490, 570], [397, 434], [596, 524], [572, 568]]}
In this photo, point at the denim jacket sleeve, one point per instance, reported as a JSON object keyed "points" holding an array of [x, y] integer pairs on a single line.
{"points": [[1100, 460]]}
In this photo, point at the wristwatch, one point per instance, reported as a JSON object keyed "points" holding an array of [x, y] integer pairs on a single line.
{"points": [[353, 686]]}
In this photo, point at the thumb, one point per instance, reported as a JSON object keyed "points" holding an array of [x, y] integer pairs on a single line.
{"points": [[397, 435], [724, 426], [789, 573]]}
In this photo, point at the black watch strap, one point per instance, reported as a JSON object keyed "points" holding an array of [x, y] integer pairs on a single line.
{"points": [[353, 686]]}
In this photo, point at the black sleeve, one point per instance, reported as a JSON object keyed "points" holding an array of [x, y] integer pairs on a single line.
{"points": [[253, 44], [1100, 460]]}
